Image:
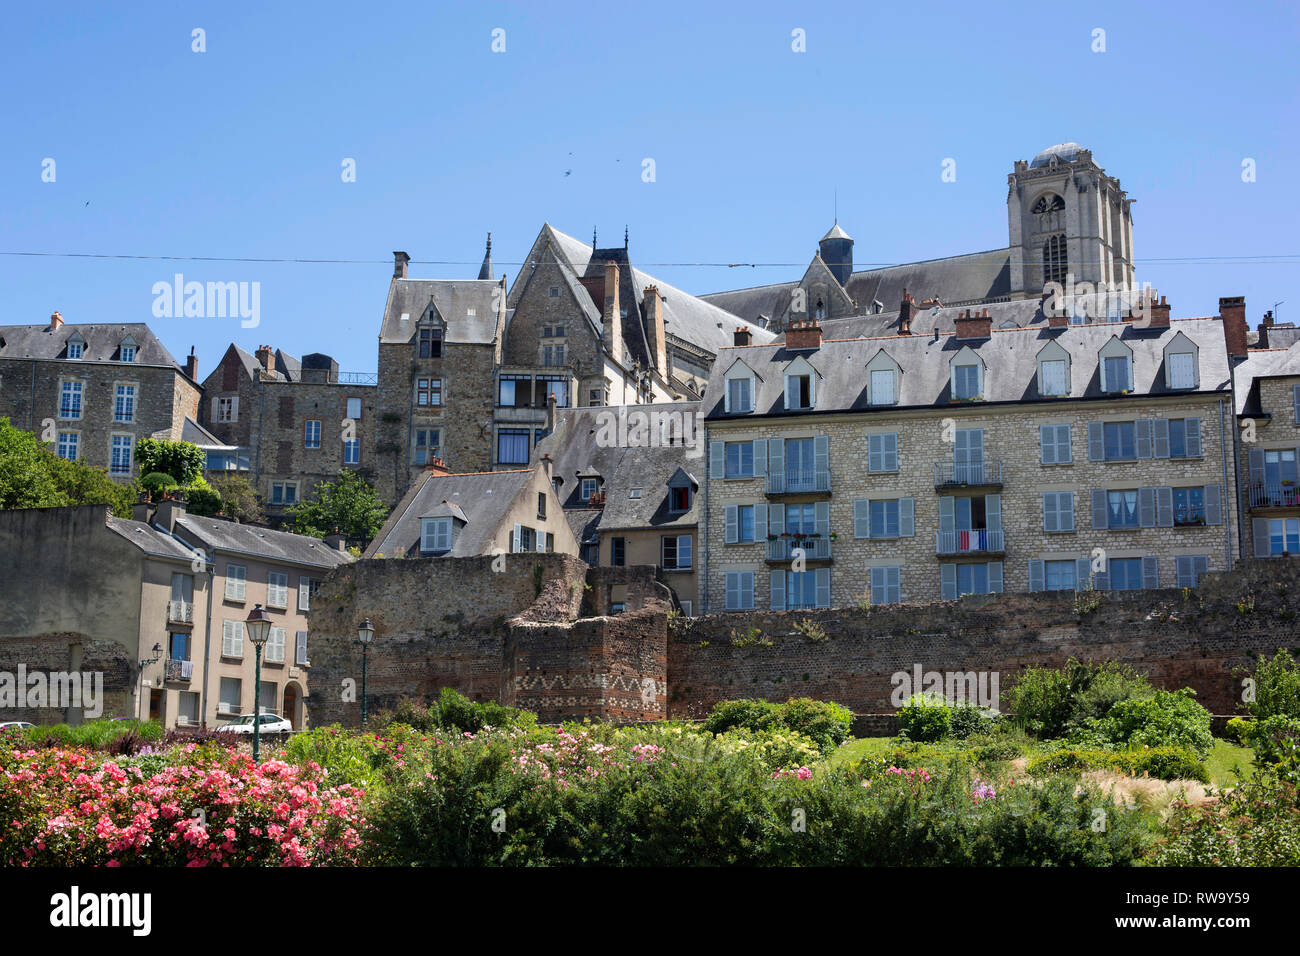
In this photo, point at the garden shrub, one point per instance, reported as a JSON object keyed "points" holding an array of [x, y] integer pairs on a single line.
{"points": [[1277, 687], [924, 718], [966, 719], [1255, 824], [1051, 702], [1164, 763], [1167, 718], [777, 749], [1169, 763], [1276, 741], [757, 715], [94, 734], [1240, 729], [826, 723]]}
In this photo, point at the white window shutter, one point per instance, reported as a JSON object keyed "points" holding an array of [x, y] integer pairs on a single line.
{"points": [[300, 653], [517, 539], [821, 453], [304, 594]]}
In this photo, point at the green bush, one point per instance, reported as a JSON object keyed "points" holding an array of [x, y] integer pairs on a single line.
{"points": [[1169, 763], [1164, 763], [346, 757], [94, 734], [1240, 729], [757, 715], [1255, 824], [1166, 719], [1276, 741], [1277, 687], [825, 723], [1051, 702], [966, 719], [202, 501], [925, 718]]}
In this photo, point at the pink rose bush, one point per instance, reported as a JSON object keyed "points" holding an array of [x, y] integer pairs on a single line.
{"points": [[205, 807]]}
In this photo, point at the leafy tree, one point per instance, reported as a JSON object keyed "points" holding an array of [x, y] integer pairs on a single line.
{"points": [[347, 503], [32, 476], [239, 499], [183, 460]]}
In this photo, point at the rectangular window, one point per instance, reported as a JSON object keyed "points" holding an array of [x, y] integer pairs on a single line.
{"points": [[512, 446], [587, 488], [745, 522], [596, 396], [236, 582], [307, 588], [430, 343], [425, 445], [75, 350], [1189, 506], [882, 452], [300, 651], [1054, 444], [1125, 574], [739, 460], [886, 585], [617, 552], [677, 552], [1182, 370], [1053, 377], [187, 710], [354, 409], [738, 395], [128, 353], [1122, 509], [70, 400], [800, 465], [121, 460], [68, 442], [740, 590], [966, 381], [284, 492], [226, 409], [232, 638], [882, 387], [1058, 511], [275, 645], [972, 579], [884, 518], [548, 385], [230, 700], [311, 434], [514, 391], [277, 589], [1121, 440], [798, 391], [1117, 378], [679, 499], [352, 451], [1284, 536], [428, 392], [1184, 438], [1189, 568], [1060, 575], [124, 404], [435, 535], [800, 590]]}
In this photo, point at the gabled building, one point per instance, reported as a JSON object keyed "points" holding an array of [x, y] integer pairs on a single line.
{"points": [[91, 391]]}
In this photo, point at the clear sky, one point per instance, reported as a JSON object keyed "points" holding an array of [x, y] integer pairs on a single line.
{"points": [[238, 152]]}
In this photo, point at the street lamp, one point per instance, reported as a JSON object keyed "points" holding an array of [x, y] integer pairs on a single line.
{"points": [[258, 625], [139, 677], [365, 634]]}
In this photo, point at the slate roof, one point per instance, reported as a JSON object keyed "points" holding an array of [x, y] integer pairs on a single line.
{"points": [[1262, 363], [149, 539], [482, 497], [220, 535], [695, 320], [285, 368], [454, 299], [196, 434], [1010, 357], [102, 341]]}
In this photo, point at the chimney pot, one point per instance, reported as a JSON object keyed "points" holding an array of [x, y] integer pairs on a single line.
{"points": [[192, 366], [400, 260], [742, 336], [437, 466], [803, 336], [56, 320]]}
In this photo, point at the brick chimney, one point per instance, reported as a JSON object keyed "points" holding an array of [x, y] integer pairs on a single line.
{"points": [[437, 466], [266, 357], [169, 511], [192, 366], [906, 309], [654, 316], [971, 326], [400, 259], [1159, 312], [56, 320], [803, 335], [336, 541], [610, 316], [742, 336], [1232, 311]]}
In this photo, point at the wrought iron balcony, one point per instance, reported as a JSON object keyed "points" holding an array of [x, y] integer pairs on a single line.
{"points": [[180, 612], [814, 549], [179, 670], [969, 542], [948, 474], [1274, 494], [799, 482]]}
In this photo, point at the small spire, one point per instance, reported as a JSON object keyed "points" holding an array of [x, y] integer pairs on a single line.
{"points": [[625, 238], [593, 238], [485, 270]]}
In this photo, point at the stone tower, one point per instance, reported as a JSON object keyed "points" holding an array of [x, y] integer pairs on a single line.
{"points": [[837, 252], [1066, 216]]}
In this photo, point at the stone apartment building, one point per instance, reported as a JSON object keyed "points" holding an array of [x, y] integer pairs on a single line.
{"points": [[910, 467], [91, 391], [156, 604], [289, 423]]}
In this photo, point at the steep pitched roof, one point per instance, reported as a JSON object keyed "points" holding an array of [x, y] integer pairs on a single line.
{"points": [[220, 535], [468, 306], [101, 342], [149, 539], [196, 434], [1262, 363]]}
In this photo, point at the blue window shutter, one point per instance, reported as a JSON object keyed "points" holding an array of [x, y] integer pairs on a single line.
{"points": [[875, 453], [1256, 460], [1082, 573], [995, 577], [1047, 444], [1099, 509], [947, 515], [760, 521], [1065, 510], [822, 581], [1183, 573], [731, 524], [1193, 428], [1213, 495], [822, 518], [1165, 507], [1160, 434], [747, 590], [733, 591], [894, 584], [948, 582], [862, 518], [1295, 400], [760, 457], [776, 462], [777, 586], [1259, 527], [907, 517], [1150, 572], [1051, 520], [1147, 507], [1096, 442], [821, 453], [1036, 576], [993, 512], [717, 459], [891, 451], [1101, 579], [1200, 565], [1142, 429], [775, 518]]}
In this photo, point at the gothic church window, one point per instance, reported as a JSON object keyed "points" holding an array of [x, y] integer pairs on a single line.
{"points": [[1048, 203], [1055, 261]]}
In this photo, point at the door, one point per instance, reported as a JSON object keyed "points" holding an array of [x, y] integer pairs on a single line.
{"points": [[968, 455], [155, 704], [291, 705]]}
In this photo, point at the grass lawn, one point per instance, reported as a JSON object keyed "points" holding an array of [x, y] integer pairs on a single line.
{"points": [[1224, 759]]}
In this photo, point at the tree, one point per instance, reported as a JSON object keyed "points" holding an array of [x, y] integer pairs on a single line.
{"points": [[183, 460], [31, 476], [348, 503], [239, 499]]}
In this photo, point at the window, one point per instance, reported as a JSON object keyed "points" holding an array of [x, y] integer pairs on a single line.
{"points": [[960, 579], [799, 391], [1182, 370], [128, 353], [430, 343], [1060, 575], [354, 409], [801, 590], [70, 400], [236, 582], [1056, 261], [307, 589], [232, 638], [541, 504], [1122, 509], [679, 499], [120, 463], [1284, 536], [231, 696], [739, 459], [512, 446], [1117, 370], [1125, 574], [552, 355], [226, 408], [352, 451], [428, 392], [745, 522], [587, 488], [525, 539], [596, 396], [677, 552], [75, 349], [435, 535], [284, 492], [514, 391], [800, 462], [1054, 444], [1189, 568], [178, 646], [972, 579], [884, 519], [554, 292], [311, 434], [425, 445], [886, 585], [277, 589], [275, 645], [1053, 377], [187, 709], [882, 387], [1189, 506], [549, 385], [1120, 441], [739, 395], [300, 650], [124, 403], [617, 552], [966, 381], [67, 446], [882, 452], [740, 590], [1058, 511], [1184, 438]]}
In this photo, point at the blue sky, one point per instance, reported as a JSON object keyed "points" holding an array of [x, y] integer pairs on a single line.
{"points": [[237, 151]]}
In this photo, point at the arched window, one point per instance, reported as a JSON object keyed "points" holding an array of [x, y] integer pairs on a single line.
{"points": [[1048, 202], [820, 311], [1055, 262]]}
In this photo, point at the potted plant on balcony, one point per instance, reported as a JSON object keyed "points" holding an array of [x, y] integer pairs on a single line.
{"points": [[772, 537]]}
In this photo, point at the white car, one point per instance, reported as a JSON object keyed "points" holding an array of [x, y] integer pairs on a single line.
{"points": [[270, 724], [16, 725]]}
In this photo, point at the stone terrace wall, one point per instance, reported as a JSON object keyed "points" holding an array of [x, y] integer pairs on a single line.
{"points": [[1201, 640]]}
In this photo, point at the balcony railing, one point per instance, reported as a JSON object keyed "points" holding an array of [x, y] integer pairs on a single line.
{"points": [[799, 482], [179, 670], [180, 612], [948, 473], [968, 542], [783, 549], [1275, 494]]}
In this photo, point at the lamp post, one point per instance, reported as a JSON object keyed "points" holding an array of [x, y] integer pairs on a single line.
{"points": [[258, 625], [365, 634], [139, 680]]}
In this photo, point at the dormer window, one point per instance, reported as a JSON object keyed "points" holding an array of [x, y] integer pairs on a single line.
{"points": [[588, 488], [1116, 367], [739, 396], [800, 385], [76, 347], [882, 387], [126, 350], [965, 381], [1181, 363], [435, 535], [820, 311], [679, 499], [1053, 371], [430, 343]]}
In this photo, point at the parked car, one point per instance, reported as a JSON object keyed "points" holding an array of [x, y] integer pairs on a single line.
{"points": [[16, 725], [270, 724]]}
